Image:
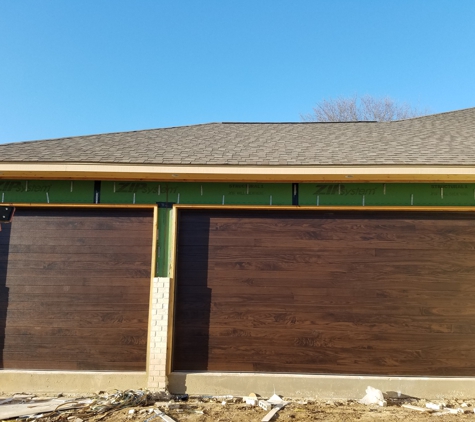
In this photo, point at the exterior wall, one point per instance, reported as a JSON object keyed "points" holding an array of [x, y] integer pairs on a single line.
{"points": [[387, 194], [197, 193], [47, 191], [262, 194], [272, 194]]}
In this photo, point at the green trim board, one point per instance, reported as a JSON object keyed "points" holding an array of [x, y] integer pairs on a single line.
{"points": [[196, 193], [47, 191], [164, 249], [389, 194]]}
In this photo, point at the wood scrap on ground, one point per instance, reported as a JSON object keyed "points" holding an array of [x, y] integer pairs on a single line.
{"points": [[417, 408], [273, 412], [16, 410], [165, 417]]}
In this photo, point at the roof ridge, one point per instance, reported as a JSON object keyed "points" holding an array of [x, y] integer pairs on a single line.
{"points": [[106, 133], [434, 114], [296, 123]]}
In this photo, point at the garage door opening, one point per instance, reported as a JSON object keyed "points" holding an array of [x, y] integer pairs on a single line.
{"points": [[351, 292], [74, 289]]}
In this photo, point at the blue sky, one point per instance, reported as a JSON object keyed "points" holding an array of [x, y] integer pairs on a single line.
{"points": [[93, 66]]}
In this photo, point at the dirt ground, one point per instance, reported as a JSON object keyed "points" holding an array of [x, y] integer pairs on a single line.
{"points": [[221, 409], [295, 411]]}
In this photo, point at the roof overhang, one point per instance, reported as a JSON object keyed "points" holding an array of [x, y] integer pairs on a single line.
{"points": [[295, 174]]}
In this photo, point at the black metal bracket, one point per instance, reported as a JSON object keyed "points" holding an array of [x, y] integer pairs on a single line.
{"points": [[295, 193], [165, 204], [97, 192], [6, 214]]}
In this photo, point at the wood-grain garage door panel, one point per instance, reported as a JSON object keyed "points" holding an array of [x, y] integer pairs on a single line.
{"points": [[348, 292], [75, 289]]}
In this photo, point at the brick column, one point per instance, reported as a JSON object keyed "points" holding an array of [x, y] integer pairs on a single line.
{"points": [[159, 306]]}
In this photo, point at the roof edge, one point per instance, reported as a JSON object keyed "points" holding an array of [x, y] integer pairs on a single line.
{"points": [[263, 174]]}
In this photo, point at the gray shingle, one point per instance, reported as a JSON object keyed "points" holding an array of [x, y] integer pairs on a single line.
{"points": [[439, 139]]}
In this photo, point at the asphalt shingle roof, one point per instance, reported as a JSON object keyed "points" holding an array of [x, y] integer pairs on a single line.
{"points": [[439, 139]]}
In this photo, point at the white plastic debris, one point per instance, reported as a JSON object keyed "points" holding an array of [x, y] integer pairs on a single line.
{"points": [[449, 411], [222, 398], [373, 396], [434, 406], [251, 399], [265, 405], [275, 399], [456, 411]]}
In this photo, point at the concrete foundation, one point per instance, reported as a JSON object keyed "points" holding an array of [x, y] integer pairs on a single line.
{"points": [[69, 381], [316, 386], [238, 384]]}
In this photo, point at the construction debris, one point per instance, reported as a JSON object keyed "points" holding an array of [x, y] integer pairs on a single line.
{"points": [[251, 399], [146, 406], [21, 406], [417, 408], [278, 405], [264, 404], [277, 400], [373, 396], [17, 410], [273, 412], [163, 416], [434, 406]]}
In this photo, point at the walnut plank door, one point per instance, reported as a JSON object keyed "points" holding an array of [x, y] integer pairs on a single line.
{"points": [[74, 289], [383, 293]]}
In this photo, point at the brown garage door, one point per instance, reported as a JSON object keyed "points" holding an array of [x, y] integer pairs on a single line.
{"points": [[318, 292], [74, 289]]}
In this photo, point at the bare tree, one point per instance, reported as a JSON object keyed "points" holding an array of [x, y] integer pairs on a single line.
{"points": [[366, 108]]}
